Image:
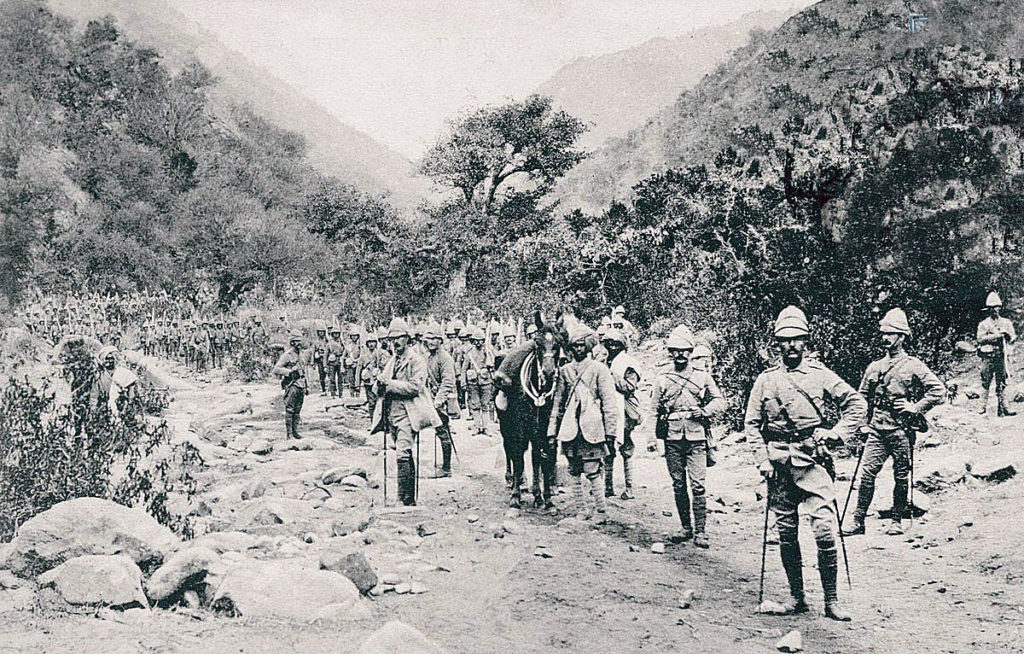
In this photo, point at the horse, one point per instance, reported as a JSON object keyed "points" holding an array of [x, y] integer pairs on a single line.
{"points": [[526, 376]]}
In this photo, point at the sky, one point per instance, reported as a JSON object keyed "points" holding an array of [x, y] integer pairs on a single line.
{"points": [[397, 69]]}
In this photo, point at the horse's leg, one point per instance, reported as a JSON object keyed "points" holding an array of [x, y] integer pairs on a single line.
{"points": [[517, 476], [537, 459], [548, 461]]}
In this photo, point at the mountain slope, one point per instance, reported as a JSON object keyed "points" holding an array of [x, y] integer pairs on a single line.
{"points": [[814, 61], [616, 92], [334, 147]]}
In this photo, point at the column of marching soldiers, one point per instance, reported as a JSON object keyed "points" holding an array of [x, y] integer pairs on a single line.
{"points": [[417, 378]]}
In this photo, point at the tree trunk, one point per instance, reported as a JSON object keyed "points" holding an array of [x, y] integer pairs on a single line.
{"points": [[457, 282]]}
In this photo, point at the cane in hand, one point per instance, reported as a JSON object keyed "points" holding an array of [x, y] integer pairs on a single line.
{"points": [[384, 452], [842, 543], [764, 540], [417, 467]]}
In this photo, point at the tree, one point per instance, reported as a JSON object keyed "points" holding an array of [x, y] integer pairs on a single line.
{"points": [[486, 149]]}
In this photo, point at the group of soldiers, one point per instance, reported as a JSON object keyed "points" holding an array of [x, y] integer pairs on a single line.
{"points": [[431, 371], [419, 378]]}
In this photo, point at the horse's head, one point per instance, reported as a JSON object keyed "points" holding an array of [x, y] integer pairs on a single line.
{"points": [[548, 345]]}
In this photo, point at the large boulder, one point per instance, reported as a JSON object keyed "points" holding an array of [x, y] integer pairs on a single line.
{"points": [[398, 638], [181, 571], [97, 580], [281, 589], [353, 565], [88, 525], [942, 471]]}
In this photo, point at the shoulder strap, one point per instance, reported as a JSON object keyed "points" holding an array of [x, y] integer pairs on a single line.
{"points": [[805, 395], [683, 388]]}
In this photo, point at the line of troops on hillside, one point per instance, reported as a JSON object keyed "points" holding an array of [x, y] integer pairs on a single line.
{"points": [[425, 375]]}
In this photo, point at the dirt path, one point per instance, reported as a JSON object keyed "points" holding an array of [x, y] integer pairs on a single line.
{"points": [[955, 583]]}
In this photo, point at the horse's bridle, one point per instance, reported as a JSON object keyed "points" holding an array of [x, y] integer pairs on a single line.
{"points": [[525, 379]]}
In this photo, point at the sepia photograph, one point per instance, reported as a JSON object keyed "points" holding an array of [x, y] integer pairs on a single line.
{"points": [[494, 326]]}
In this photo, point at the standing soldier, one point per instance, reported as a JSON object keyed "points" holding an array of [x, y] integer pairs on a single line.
{"points": [[476, 371], [320, 357], [441, 384], [291, 368], [785, 410], [890, 385], [684, 402], [407, 408], [335, 354], [351, 361], [626, 372], [583, 418], [370, 365], [995, 336], [454, 345]]}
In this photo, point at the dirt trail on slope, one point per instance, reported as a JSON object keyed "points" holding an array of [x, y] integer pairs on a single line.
{"points": [[954, 583]]}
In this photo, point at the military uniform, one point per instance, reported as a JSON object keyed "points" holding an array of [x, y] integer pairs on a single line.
{"points": [[335, 355], [477, 368], [785, 409], [441, 384], [995, 336], [684, 402], [891, 432], [291, 367], [627, 375]]}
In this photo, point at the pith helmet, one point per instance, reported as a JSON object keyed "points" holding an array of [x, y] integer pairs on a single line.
{"points": [[791, 323], [457, 325], [432, 330], [993, 300], [681, 338], [398, 327], [702, 350], [619, 311], [895, 322], [294, 335], [615, 336]]}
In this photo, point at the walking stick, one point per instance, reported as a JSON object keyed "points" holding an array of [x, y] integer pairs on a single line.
{"points": [[417, 466], [842, 542], [764, 542], [911, 490], [384, 451], [853, 479]]}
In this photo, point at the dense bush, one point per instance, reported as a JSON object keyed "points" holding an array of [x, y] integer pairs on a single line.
{"points": [[52, 451]]}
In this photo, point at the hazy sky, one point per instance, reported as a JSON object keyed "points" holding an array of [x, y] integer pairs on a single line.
{"points": [[398, 68]]}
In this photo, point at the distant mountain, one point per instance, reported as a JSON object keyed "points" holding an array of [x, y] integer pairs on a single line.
{"points": [[617, 92], [808, 68], [334, 147]]}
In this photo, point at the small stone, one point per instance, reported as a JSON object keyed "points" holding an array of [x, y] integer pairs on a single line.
{"points": [[417, 588], [390, 578], [686, 599], [257, 488], [512, 513], [510, 527], [667, 514], [542, 553], [425, 529], [791, 642], [658, 548], [354, 566], [353, 482], [769, 607], [398, 637], [191, 599], [472, 517], [261, 447], [403, 588], [309, 537], [412, 541]]}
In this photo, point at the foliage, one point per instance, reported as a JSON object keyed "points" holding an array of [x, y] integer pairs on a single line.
{"points": [[250, 362], [52, 451]]}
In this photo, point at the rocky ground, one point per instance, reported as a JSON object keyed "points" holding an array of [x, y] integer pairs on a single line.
{"points": [[472, 576]]}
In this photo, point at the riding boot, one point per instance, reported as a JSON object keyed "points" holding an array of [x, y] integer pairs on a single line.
{"points": [[792, 563], [899, 500], [683, 509], [403, 485], [446, 458], [577, 492], [599, 503], [609, 476], [828, 568], [700, 513], [1003, 411], [864, 496], [295, 426], [627, 471]]}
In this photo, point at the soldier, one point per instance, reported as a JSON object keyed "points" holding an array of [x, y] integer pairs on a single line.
{"points": [[407, 408], [684, 401], [291, 368], [784, 411], [350, 361], [995, 336], [620, 323], [626, 372], [441, 384], [894, 418], [701, 357], [335, 354], [320, 357], [583, 418], [455, 348], [370, 365], [477, 367], [114, 383]]}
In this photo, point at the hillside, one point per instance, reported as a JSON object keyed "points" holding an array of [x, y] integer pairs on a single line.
{"points": [[617, 92], [813, 63], [334, 147]]}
